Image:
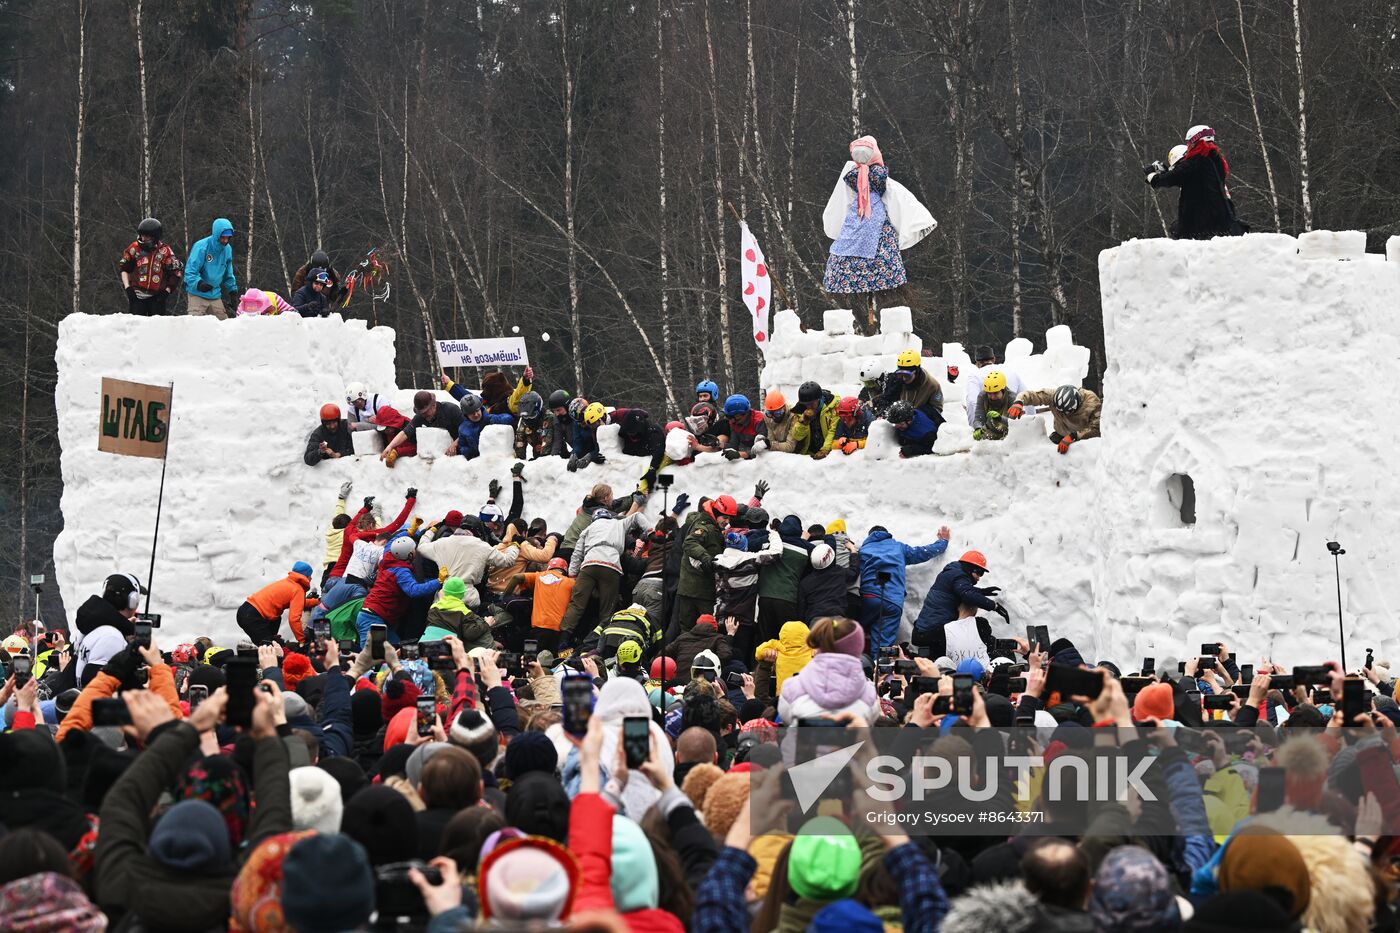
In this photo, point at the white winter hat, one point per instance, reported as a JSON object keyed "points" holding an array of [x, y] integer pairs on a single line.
{"points": [[945, 663], [316, 801]]}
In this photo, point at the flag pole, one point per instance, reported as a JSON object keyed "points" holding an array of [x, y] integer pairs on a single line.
{"points": [[160, 499], [787, 302]]}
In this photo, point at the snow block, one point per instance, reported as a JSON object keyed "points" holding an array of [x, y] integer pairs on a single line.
{"points": [[839, 321], [1332, 244], [896, 320], [1392, 250]]}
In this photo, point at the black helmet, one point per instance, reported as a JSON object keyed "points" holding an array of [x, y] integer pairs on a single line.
{"points": [[809, 392], [471, 404], [1068, 399], [151, 228], [319, 260], [558, 399], [530, 407], [900, 412]]}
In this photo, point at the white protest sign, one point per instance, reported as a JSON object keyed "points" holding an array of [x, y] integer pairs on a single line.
{"points": [[486, 351]]}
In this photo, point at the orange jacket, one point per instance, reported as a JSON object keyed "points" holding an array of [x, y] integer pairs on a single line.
{"points": [[276, 598], [159, 680]]}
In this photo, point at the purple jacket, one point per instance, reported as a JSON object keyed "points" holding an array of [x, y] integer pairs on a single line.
{"points": [[829, 683]]}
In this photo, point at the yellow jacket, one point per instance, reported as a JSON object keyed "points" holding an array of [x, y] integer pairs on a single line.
{"points": [[335, 537], [792, 648], [521, 388], [802, 430]]}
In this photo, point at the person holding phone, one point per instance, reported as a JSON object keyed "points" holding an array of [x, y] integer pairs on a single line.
{"points": [[883, 564], [120, 674]]}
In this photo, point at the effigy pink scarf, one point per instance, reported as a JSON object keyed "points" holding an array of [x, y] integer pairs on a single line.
{"points": [[863, 178]]}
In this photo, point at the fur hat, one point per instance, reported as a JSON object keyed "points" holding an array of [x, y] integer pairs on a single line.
{"points": [[316, 801], [723, 802], [296, 668], [698, 782]]}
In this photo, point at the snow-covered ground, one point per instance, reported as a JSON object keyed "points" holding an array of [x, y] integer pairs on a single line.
{"points": [[1234, 362]]}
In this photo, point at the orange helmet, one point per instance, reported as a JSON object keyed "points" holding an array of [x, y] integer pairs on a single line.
{"points": [[774, 401], [330, 412], [725, 505], [975, 558]]}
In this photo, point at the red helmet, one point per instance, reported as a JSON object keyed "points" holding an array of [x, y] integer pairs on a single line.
{"points": [[975, 558], [725, 505], [330, 412], [670, 668], [557, 563], [847, 407]]}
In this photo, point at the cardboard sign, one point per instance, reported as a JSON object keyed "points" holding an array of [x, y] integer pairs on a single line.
{"points": [[487, 351], [135, 419]]}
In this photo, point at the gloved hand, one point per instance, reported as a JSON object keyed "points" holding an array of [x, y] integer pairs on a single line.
{"points": [[990, 590], [682, 503], [442, 575], [952, 374], [389, 457], [412, 493], [597, 457], [345, 489], [760, 489], [730, 453], [204, 288], [517, 470], [993, 415], [978, 434], [493, 489], [1001, 611], [1065, 442], [313, 593], [414, 525], [573, 464], [369, 502], [1015, 411], [1154, 167], [123, 664], [640, 497], [1056, 437]]}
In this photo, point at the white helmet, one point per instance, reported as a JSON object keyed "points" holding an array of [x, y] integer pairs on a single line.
{"points": [[1175, 155], [1200, 129], [403, 547], [822, 556], [356, 392]]}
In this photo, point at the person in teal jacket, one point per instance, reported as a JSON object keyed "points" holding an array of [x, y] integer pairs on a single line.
{"points": [[209, 271]]}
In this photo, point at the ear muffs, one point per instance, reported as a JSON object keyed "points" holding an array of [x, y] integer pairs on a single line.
{"points": [[133, 599]]}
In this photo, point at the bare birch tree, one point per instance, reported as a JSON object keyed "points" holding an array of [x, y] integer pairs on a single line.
{"points": [[1302, 118], [78, 159]]}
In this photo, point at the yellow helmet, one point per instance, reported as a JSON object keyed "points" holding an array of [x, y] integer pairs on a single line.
{"points": [[594, 413], [995, 382], [908, 359]]}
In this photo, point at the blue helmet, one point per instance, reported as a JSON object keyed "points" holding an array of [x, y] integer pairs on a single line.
{"points": [[707, 385], [736, 406]]}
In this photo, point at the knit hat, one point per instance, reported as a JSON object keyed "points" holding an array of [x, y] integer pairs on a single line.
{"points": [[455, 587], [327, 885], [295, 707], [452, 519], [836, 527], [30, 759], [945, 664], [852, 643], [824, 861], [47, 901], [629, 652], [191, 837], [698, 782], [396, 732], [1239, 912], [1259, 859], [348, 775], [1133, 893], [207, 675], [971, 666], [537, 804], [764, 730], [399, 695], [707, 620], [636, 884], [216, 780], [316, 802], [477, 734], [366, 712], [530, 751], [529, 879], [723, 802], [296, 668], [303, 568], [381, 819], [413, 769], [1155, 701], [256, 897], [845, 916]]}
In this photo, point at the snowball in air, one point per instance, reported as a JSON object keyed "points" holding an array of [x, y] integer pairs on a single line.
{"points": [[515, 329], [545, 337]]}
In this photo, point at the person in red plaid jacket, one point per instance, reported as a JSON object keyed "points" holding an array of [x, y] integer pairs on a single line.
{"points": [[150, 270]]}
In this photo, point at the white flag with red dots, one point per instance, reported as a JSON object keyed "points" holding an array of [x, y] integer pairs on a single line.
{"points": [[758, 286]]}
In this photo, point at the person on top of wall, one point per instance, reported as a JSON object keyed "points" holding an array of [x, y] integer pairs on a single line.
{"points": [[209, 271], [911, 383], [318, 260], [331, 440], [310, 299], [989, 413], [474, 420], [428, 412], [1204, 209], [775, 416], [149, 269], [1076, 413], [986, 360], [852, 425], [361, 406], [815, 414], [707, 391], [748, 432], [916, 431]]}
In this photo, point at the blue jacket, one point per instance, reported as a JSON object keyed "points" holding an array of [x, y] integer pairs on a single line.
{"points": [[335, 731], [211, 264], [921, 430], [308, 302], [953, 587], [469, 434], [882, 552], [857, 429], [585, 440]]}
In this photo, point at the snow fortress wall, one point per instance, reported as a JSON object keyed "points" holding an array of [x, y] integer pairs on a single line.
{"points": [[1231, 362]]}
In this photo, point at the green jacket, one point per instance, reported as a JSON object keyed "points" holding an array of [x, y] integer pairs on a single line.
{"points": [[582, 520], [810, 442], [702, 541]]}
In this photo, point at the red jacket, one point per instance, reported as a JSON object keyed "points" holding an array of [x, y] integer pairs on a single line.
{"points": [[590, 839], [394, 585], [150, 271], [353, 534]]}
